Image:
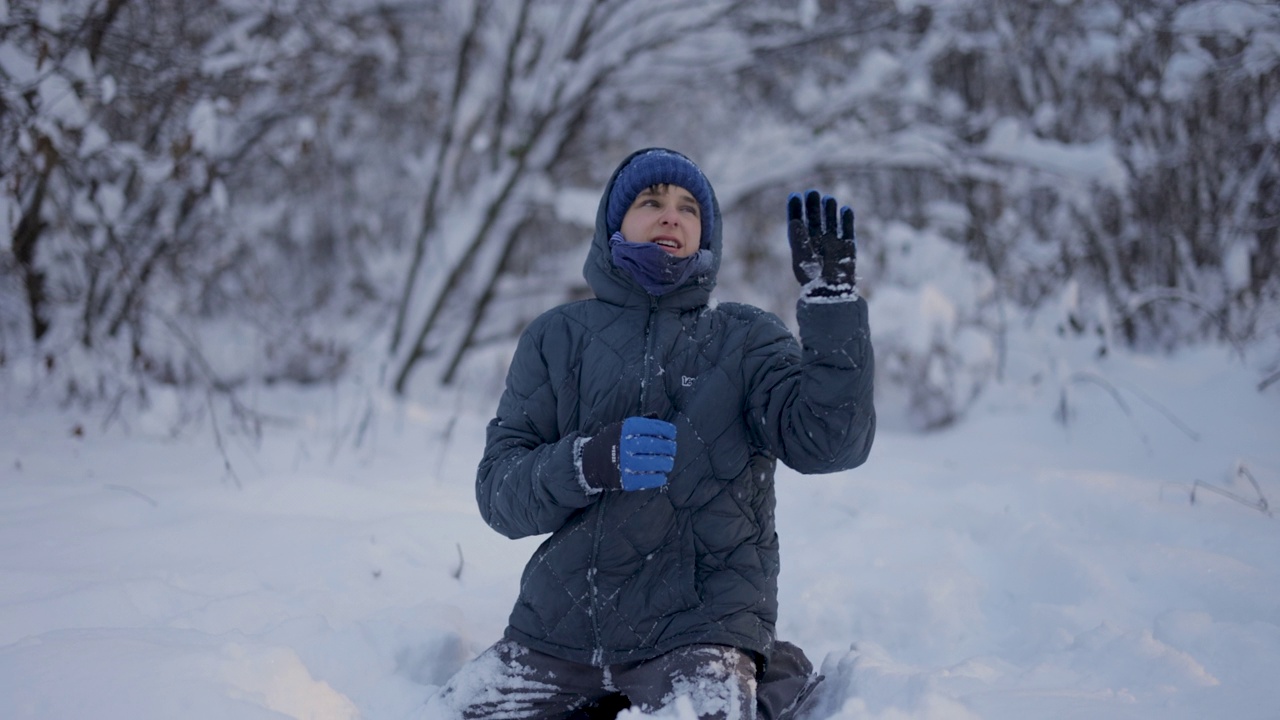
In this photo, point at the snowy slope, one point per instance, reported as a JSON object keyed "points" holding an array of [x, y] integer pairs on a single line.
{"points": [[1011, 567]]}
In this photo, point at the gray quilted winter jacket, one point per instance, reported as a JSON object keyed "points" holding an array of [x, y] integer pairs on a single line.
{"points": [[627, 576]]}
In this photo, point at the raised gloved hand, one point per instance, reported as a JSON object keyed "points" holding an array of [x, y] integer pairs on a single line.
{"points": [[634, 454], [823, 254]]}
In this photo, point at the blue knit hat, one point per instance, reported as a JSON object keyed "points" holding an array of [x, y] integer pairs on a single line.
{"points": [[659, 166]]}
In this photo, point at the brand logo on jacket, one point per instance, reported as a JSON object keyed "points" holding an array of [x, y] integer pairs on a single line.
{"points": [[686, 381]]}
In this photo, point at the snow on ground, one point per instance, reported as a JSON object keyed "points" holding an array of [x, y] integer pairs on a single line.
{"points": [[1011, 567]]}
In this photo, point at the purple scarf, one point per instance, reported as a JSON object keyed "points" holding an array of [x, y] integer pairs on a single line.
{"points": [[657, 271]]}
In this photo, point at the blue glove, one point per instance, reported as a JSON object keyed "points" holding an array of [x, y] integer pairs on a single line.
{"points": [[635, 454]]}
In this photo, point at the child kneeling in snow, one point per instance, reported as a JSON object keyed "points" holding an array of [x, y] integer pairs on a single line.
{"points": [[641, 429]]}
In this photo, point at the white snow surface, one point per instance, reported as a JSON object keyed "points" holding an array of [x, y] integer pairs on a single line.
{"points": [[1011, 567]]}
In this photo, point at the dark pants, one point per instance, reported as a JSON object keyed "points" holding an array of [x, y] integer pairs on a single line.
{"points": [[510, 681]]}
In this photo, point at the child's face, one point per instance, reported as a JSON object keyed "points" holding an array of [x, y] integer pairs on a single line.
{"points": [[667, 215]]}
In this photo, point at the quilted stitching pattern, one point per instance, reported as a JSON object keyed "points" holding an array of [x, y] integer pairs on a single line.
{"points": [[628, 575]]}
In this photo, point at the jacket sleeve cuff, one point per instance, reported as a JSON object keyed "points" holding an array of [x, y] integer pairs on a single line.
{"points": [[595, 459]]}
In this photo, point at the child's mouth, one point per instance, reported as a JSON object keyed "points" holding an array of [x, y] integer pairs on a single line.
{"points": [[668, 244]]}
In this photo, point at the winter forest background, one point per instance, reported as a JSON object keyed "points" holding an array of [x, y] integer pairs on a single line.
{"points": [[263, 264], [217, 194]]}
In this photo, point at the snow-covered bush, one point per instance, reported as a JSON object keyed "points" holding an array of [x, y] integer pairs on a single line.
{"points": [[933, 324]]}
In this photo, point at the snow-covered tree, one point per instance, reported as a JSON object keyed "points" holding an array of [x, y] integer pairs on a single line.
{"points": [[183, 185], [1114, 160], [525, 78], [217, 193]]}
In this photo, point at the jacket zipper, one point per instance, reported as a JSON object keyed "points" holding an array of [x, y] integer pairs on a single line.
{"points": [[597, 655], [649, 340]]}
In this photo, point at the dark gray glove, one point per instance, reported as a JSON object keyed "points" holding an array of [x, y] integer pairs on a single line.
{"points": [[823, 253]]}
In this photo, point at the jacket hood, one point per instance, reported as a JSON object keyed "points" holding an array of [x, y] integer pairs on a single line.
{"points": [[614, 285]]}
